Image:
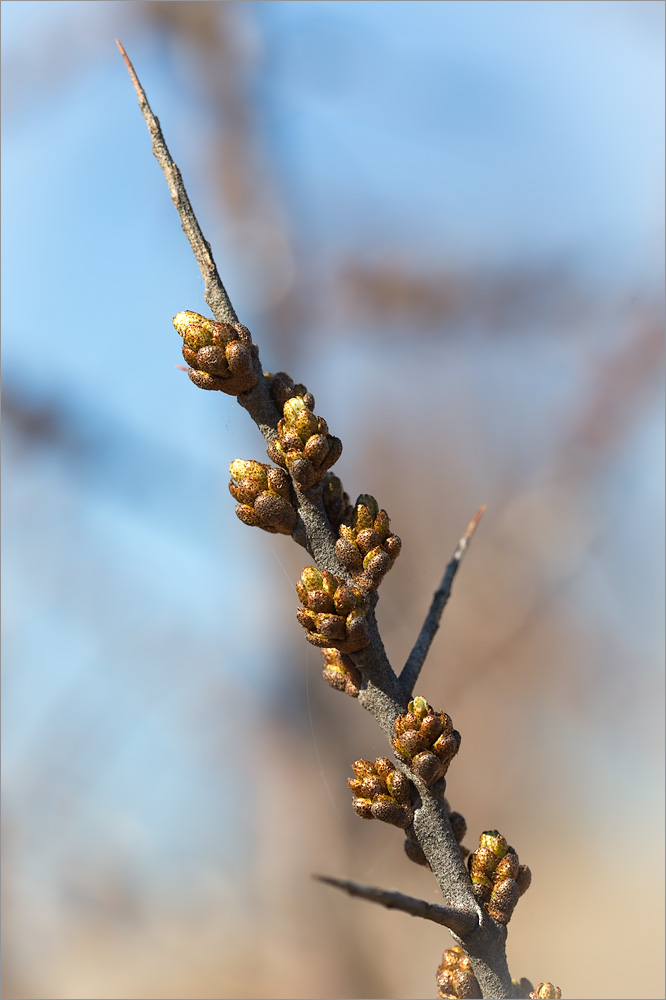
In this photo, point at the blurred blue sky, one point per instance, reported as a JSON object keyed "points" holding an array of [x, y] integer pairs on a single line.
{"points": [[479, 138]]}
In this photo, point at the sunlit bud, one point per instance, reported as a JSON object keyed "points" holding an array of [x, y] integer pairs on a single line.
{"points": [[523, 989], [507, 868], [340, 672], [503, 899], [303, 445], [366, 546], [426, 739], [333, 613], [495, 841], [482, 863], [263, 495], [455, 977], [220, 355], [380, 792], [546, 991]]}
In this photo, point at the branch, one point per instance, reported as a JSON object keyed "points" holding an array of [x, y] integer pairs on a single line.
{"points": [[215, 292], [458, 922], [382, 693], [412, 668]]}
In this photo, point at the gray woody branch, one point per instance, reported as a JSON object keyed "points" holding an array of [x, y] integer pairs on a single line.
{"points": [[382, 693]]}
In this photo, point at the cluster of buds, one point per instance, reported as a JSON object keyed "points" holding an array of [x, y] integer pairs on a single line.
{"points": [[546, 991], [366, 546], [380, 791], [414, 851], [335, 500], [303, 446], [426, 740], [455, 978], [340, 672], [498, 879], [220, 355], [333, 612], [264, 496]]}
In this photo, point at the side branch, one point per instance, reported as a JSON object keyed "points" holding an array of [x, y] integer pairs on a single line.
{"points": [[460, 923], [214, 291], [412, 668]]}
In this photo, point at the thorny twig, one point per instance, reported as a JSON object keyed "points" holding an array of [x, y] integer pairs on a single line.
{"points": [[382, 693], [459, 923]]}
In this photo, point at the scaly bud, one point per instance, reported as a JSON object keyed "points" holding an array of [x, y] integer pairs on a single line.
{"points": [[455, 977], [333, 613], [220, 355], [498, 878], [263, 495], [381, 792], [546, 991], [426, 740], [303, 445], [339, 671], [366, 546]]}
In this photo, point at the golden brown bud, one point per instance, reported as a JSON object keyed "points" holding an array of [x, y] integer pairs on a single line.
{"points": [[381, 792], [263, 495], [220, 355], [303, 445], [426, 740], [546, 991], [366, 546], [339, 671]]}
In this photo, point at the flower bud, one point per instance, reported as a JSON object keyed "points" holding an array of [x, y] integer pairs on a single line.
{"points": [[366, 546], [546, 991], [339, 671], [503, 898], [303, 445], [455, 977], [220, 355], [333, 613], [381, 792], [426, 740], [264, 496]]}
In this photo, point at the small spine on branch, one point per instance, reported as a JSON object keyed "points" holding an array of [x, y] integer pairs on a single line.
{"points": [[498, 878], [382, 792], [366, 546], [339, 671], [303, 446], [546, 991], [425, 740], [264, 496], [220, 355], [455, 978], [333, 612]]}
